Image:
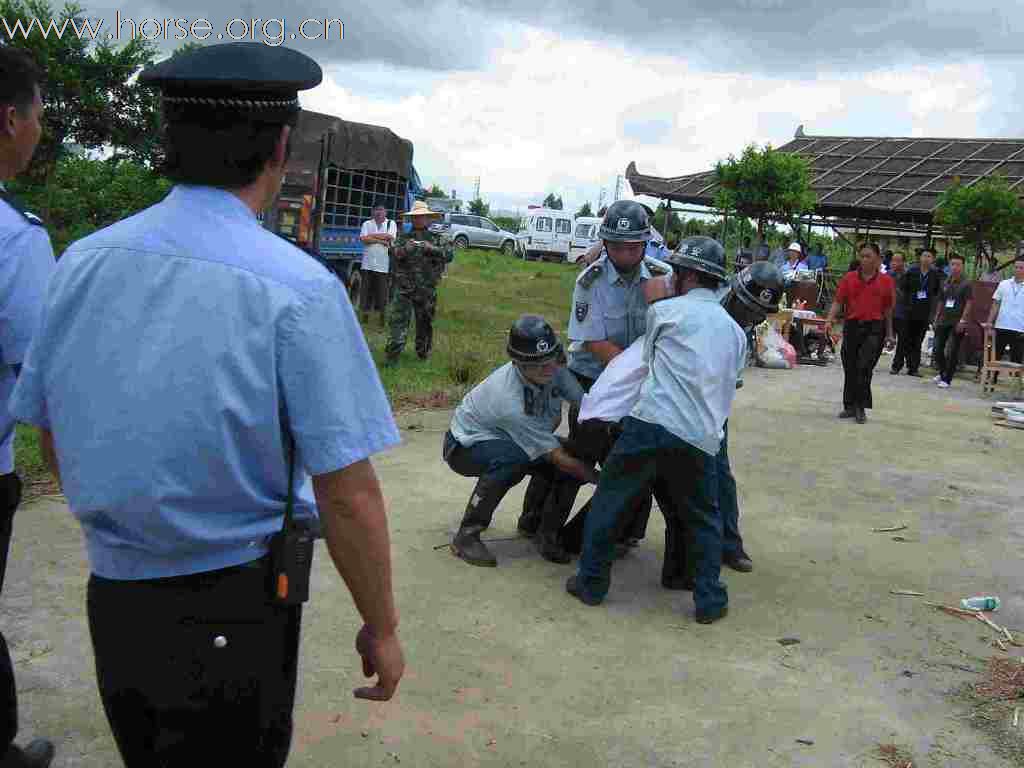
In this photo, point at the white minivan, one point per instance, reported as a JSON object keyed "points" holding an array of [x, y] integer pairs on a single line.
{"points": [[585, 234], [545, 233]]}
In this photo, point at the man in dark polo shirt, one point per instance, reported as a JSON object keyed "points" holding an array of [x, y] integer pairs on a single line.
{"points": [[954, 307], [867, 297], [921, 286]]}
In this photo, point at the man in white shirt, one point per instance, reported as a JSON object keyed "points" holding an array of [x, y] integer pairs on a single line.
{"points": [[795, 262], [1007, 313], [377, 235]]}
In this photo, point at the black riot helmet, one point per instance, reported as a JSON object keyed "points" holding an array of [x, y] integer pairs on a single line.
{"points": [[532, 340], [754, 293], [626, 222], [702, 254]]}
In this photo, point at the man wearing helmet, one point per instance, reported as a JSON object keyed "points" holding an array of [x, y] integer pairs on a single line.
{"points": [[504, 430], [609, 310], [672, 437]]}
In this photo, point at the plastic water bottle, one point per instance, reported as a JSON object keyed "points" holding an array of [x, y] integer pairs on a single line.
{"points": [[980, 603]]}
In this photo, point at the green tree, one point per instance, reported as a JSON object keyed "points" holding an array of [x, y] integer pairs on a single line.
{"points": [[83, 195], [479, 207], [553, 201], [765, 185], [434, 191], [988, 215], [585, 210], [91, 96]]}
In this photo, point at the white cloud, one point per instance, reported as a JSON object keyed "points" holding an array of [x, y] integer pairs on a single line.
{"points": [[550, 114]]}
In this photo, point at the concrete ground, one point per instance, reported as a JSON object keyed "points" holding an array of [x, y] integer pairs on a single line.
{"points": [[505, 669]]}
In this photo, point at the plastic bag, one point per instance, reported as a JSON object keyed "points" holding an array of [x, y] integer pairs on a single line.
{"points": [[771, 349]]}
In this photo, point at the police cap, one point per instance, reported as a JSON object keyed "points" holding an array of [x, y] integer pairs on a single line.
{"points": [[532, 340], [251, 79]]}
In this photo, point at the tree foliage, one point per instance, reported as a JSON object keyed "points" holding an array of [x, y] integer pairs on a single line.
{"points": [[85, 194], [479, 207], [553, 201], [435, 191], [585, 210], [91, 97], [988, 215], [765, 185]]}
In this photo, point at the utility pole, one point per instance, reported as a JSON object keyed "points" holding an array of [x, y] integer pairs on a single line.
{"points": [[476, 194], [600, 200], [618, 188]]}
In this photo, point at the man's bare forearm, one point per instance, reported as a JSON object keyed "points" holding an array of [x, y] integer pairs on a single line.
{"points": [[356, 530], [573, 466], [605, 351], [993, 312], [49, 452]]}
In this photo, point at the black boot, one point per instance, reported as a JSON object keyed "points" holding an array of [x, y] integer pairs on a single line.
{"points": [[550, 548], [38, 754], [534, 500], [468, 546], [557, 506]]}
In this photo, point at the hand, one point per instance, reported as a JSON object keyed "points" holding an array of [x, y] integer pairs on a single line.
{"points": [[382, 656], [655, 289]]}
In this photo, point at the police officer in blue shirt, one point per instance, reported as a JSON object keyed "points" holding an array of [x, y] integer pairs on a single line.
{"points": [[190, 369], [609, 311], [26, 263]]}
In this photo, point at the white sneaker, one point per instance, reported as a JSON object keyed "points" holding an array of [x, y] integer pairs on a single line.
{"points": [[943, 385], [937, 378]]}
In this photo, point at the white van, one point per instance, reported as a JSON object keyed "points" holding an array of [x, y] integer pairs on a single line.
{"points": [[545, 234], [585, 234]]}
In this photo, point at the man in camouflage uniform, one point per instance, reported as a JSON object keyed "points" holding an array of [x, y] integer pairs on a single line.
{"points": [[419, 260]]}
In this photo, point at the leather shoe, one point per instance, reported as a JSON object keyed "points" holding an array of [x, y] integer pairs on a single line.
{"points": [[38, 754], [894, 372], [713, 616], [678, 583], [740, 562], [846, 413], [550, 548], [573, 587], [861, 416], [468, 546], [915, 374]]}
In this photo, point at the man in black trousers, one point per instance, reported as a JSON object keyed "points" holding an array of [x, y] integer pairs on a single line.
{"points": [[26, 262], [921, 287]]}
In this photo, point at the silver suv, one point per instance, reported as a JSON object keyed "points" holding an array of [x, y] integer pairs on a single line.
{"points": [[466, 230]]}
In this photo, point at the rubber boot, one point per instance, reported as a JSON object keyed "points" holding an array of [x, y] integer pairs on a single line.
{"points": [[557, 507], [534, 500], [479, 512], [468, 546]]}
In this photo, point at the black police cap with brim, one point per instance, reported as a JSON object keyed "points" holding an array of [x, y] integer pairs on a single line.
{"points": [[244, 77]]}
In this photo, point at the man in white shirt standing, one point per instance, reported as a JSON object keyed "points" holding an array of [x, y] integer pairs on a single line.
{"points": [[1007, 313], [377, 235]]}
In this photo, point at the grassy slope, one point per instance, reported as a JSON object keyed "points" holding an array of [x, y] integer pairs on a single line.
{"points": [[483, 293]]}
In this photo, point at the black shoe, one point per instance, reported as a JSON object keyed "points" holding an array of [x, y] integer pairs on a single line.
{"points": [[680, 583], [550, 549], [711, 618], [915, 374], [894, 371], [573, 588], [468, 546], [861, 416], [740, 562], [847, 413], [38, 754]]}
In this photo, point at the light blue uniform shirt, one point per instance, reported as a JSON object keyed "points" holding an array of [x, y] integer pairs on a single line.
{"points": [[696, 352], [178, 348], [505, 406], [605, 307], [26, 264]]}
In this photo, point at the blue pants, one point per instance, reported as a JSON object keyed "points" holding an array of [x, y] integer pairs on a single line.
{"points": [[685, 484]]}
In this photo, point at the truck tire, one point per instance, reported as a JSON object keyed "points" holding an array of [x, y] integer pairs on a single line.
{"points": [[461, 242], [355, 284], [508, 247]]}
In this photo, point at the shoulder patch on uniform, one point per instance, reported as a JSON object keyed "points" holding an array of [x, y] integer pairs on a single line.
{"points": [[591, 273], [656, 267], [16, 204]]}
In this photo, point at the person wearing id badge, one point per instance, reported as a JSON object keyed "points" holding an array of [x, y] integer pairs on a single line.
{"points": [[921, 286], [186, 375], [954, 307]]}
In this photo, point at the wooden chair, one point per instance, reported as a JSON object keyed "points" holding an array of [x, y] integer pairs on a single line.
{"points": [[991, 366]]}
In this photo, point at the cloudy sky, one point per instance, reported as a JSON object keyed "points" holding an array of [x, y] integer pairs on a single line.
{"points": [[536, 97]]}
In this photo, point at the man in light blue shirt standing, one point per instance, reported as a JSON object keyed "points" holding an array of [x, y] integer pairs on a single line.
{"points": [[695, 352], [26, 263], [186, 361]]}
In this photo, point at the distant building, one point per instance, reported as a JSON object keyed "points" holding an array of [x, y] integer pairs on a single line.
{"points": [[444, 204]]}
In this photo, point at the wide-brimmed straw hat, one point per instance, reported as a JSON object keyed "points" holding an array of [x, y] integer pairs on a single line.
{"points": [[419, 208]]}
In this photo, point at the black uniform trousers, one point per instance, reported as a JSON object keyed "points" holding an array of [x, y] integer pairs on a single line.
{"points": [[862, 346], [899, 327], [914, 331], [196, 670], [947, 364], [10, 496]]}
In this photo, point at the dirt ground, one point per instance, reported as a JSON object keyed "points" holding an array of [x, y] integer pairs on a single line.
{"points": [[505, 669]]}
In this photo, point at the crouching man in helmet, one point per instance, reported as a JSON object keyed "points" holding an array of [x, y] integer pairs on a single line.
{"points": [[672, 436], [503, 430]]}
